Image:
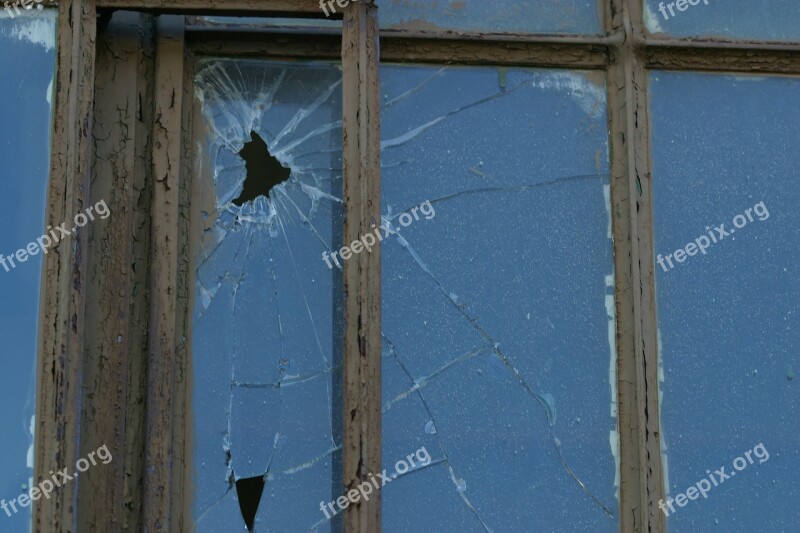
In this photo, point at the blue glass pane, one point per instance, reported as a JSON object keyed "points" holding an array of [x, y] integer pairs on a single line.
{"points": [[498, 301], [264, 362], [726, 199], [742, 19], [522, 16], [26, 85]]}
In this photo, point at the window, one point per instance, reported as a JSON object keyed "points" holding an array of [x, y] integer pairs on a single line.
{"points": [[416, 246], [28, 46]]}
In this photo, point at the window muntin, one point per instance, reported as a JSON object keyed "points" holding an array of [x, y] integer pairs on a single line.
{"points": [[680, 58]]}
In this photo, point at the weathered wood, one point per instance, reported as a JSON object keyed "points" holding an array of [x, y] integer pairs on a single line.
{"points": [[641, 476], [222, 7], [183, 485], [756, 60], [265, 43], [61, 348], [162, 341], [117, 277], [362, 273], [544, 53]]}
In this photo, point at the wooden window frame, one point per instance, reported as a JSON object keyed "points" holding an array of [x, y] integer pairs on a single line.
{"points": [[100, 382]]}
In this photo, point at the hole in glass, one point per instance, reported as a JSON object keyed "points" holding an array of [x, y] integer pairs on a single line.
{"points": [[264, 171]]}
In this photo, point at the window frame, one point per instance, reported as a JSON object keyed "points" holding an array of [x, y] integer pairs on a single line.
{"points": [[85, 397]]}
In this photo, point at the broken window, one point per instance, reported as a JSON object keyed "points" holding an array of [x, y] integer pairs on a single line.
{"points": [[267, 303], [267, 307], [498, 305], [721, 145], [26, 87], [499, 310]]}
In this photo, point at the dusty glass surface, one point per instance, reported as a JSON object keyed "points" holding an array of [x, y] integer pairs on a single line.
{"points": [[745, 19], [728, 317], [498, 301], [26, 83], [523, 16], [265, 310]]}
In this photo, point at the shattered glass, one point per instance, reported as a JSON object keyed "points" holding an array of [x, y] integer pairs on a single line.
{"points": [[522, 16], [728, 317], [501, 363], [266, 367], [498, 310]]}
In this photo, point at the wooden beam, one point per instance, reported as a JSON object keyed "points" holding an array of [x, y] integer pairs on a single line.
{"points": [[115, 362], [61, 347], [279, 45], [709, 58], [162, 341], [264, 45], [362, 273], [262, 8], [546, 53], [641, 476]]}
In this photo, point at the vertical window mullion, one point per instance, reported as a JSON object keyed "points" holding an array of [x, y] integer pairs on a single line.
{"points": [[362, 273], [61, 324], [162, 360], [641, 475]]}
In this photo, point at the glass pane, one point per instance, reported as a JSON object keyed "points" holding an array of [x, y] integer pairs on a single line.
{"points": [[726, 232], [26, 91], [523, 16], [742, 19], [265, 364], [498, 301]]}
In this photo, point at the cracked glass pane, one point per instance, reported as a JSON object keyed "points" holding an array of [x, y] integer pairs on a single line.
{"points": [[738, 19], [523, 16], [498, 300], [26, 91], [724, 183], [267, 204]]}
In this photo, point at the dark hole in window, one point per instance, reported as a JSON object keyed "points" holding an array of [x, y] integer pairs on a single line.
{"points": [[264, 171], [249, 491]]}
